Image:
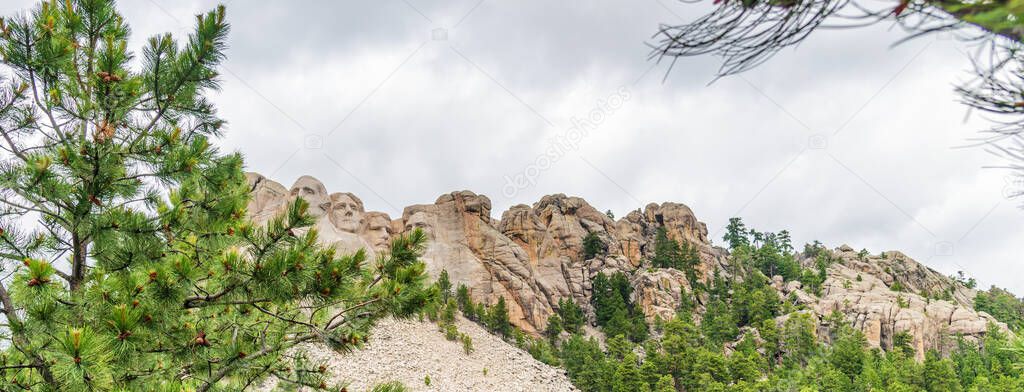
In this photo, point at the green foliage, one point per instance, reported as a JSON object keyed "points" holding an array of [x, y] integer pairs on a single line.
{"points": [[444, 285], [615, 314], [736, 233], [464, 302], [903, 303], [799, 341], [903, 342], [665, 384], [497, 319], [896, 286], [848, 352], [543, 351], [786, 358], [451, 332], [554, 327], [593, 246], [668, 253], [970, 283], [1002, 305], [939, 375], [770, 253], [467, 343], [812, 279], [814, 249], [161, 282], [572, 315]]}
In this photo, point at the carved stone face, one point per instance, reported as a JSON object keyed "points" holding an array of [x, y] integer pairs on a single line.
{"points": [[377, 230], [313, 192], [421, 220], [346, 212]]}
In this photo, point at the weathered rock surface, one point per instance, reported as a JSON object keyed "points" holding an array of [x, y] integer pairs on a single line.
{"points": [[861, 287], [533, 257]]}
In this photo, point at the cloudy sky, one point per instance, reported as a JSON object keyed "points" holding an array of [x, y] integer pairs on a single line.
{"points": [[843, 140]]}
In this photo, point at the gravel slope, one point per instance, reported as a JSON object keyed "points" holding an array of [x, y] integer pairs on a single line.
{"points": [[410, 350]]}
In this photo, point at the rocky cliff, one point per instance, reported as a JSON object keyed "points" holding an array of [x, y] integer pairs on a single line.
{"points": [[533, 257]]}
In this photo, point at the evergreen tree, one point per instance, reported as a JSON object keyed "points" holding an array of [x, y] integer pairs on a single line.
{"points": [[585, 364], [613, 309], [627, 375], [736, 233], [667, 253], [444, 285], [718, 323], [571, 314], [497, 318], [554, 327], [1002, 305], [593, 246], [665, 384], [798, 338], [848, 353], [140, 271], [462, 298], [939, 375]]}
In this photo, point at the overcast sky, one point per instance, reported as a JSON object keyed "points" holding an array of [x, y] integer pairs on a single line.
{"points": [[843, 140]]}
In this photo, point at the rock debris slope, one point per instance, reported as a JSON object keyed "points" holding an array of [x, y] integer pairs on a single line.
{"points": [[409, 351], [533, 257]]}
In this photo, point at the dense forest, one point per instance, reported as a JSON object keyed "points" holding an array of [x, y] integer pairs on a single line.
{"points": [[738, 334]]}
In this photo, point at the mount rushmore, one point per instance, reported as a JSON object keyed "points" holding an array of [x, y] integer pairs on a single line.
{"points": [[533, 257]]}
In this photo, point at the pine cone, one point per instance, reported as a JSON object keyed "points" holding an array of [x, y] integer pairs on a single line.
{"points": [[104, 131], [200, 339]]}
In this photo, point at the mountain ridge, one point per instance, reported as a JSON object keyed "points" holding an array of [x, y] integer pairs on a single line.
{"points": [[533, 257]]}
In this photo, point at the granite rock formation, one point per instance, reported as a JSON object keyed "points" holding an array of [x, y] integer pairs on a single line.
{"points": [[533, 257]]}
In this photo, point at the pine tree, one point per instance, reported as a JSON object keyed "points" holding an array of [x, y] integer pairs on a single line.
{"points": [[665, 384], [133, 265], [497, 318], [593, 246], [444, 284], [627, 375], [571, 314], [667, 252], [462, 298], [939, 375], [848, 353], [554, 327], [736, 234]]}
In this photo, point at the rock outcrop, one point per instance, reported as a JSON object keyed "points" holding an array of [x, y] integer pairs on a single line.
{"points": [[533, 257], [883, 295]]}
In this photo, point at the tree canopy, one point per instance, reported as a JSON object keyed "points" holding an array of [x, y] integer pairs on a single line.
{"points": [[128, 261]]}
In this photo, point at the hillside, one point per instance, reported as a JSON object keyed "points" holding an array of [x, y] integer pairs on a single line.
{"points": [[408, 351], [536, 257]]}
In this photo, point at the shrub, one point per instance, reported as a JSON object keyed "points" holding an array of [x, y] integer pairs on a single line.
{"points": [[467, 344]]}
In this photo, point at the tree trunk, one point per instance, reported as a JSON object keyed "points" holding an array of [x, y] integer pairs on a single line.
{"points": [[77, 261]]}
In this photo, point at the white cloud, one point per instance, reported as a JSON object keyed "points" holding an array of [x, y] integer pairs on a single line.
{"points": [[428, 117]]}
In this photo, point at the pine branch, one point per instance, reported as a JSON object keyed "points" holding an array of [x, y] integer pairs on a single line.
{"points": [[13, 147], [214, 378]]}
